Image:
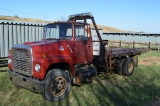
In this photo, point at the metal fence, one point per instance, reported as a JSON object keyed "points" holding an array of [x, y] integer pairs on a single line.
{"points": [[140, 39], [12, 32]]}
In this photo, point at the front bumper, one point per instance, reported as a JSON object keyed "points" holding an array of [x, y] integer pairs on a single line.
{"points": [[25, 82]]}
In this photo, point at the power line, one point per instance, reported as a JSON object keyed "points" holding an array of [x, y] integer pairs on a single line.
{"points": [[18, 11]]}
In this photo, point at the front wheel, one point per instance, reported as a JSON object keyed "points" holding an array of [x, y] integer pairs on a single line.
{"points": [[57, 85]]}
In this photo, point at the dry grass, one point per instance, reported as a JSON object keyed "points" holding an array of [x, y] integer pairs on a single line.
{"points": [[11, 18], [108, 29], [150, 61]]}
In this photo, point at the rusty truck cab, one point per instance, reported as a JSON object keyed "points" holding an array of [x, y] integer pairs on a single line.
{"points": [[76, 35], [64, 56]]}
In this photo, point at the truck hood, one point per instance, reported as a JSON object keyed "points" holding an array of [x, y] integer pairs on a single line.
{"points": [[39, 43], [47, 47]]}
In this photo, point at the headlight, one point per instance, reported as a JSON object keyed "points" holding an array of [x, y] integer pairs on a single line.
{"points": [[9, 60], [37, 67]]}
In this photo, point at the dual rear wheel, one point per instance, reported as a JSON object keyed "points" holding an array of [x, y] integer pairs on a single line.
{"points": [[128, 66], [125, 66]]}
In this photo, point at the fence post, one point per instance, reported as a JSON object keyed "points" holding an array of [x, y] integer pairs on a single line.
{"points": [[159, 47], [133, 44], [120, 43], [149, 46]]}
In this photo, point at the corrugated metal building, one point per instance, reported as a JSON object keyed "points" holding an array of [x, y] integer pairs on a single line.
{"points": [[131, 36], [12, 32]]}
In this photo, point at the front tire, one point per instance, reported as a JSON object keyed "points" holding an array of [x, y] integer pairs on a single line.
{"points": [[57, 85]]}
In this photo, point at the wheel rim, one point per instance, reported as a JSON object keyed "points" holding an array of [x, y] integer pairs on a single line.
{"points": [[58, 86], [130, 67]]}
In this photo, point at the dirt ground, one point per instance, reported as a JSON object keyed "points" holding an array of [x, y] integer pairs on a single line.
{"points": [[150, 61]]}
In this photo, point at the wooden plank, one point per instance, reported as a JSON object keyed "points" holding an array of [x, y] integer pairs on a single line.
{"points": [[119, 52]]}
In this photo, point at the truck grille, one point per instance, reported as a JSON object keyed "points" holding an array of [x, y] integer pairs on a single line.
{"points": [[21, 60]]}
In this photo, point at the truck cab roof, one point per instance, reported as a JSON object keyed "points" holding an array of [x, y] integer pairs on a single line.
{"points": [[59, 22]]}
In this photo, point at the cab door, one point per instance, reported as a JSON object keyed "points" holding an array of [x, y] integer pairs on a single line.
{"points": [[83, 44]]}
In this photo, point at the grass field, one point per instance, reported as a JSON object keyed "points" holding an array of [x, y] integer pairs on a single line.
{"points": [[142, 88]]}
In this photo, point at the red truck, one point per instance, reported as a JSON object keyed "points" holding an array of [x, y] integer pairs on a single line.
{"points": [[66, 56]]}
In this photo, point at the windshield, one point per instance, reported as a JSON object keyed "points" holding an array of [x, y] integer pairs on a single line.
{"points": [[58, 31]]}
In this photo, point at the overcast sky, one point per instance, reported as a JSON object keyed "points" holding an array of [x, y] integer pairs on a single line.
{"points": [[132, 15]]}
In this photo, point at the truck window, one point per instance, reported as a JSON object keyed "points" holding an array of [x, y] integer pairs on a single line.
{"points": [[69, 32], [58, 31], [81, 32], [52, 32]]}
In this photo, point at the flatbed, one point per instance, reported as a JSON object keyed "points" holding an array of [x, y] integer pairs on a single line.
{"points": [[120, 52]]}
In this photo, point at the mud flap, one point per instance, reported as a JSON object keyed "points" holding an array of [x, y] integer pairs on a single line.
{"points": [[135, 59], [119, 66]]}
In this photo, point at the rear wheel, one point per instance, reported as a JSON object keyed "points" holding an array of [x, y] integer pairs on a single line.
{"points": [[57, 85], [128, 66], [118, 68]]}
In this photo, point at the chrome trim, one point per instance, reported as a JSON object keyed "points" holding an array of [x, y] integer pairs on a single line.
{"points": [[26, 82], [61, 48], [22, 46]]}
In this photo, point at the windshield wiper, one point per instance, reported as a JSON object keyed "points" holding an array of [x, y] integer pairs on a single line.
{"points": [[65, 37], [51, 39]]}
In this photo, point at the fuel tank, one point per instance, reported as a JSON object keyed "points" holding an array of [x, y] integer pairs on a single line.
{"points": [[85, 74]]}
